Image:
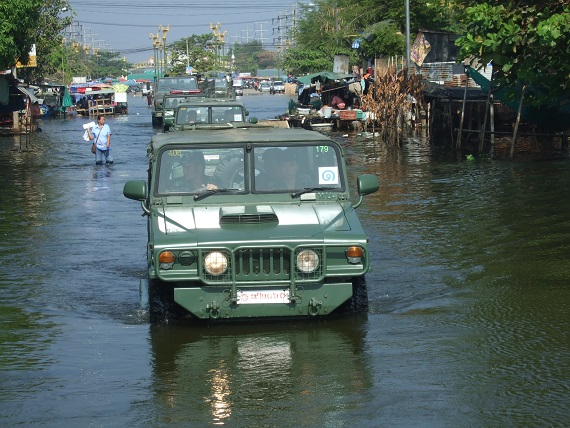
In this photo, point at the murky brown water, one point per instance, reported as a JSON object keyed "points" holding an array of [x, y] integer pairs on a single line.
{"points": [[469, 310]]}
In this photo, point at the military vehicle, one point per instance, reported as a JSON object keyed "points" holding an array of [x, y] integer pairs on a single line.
{"points": [[169, 105], [251, 222], [181, 85], [218, 87], [208, 113]]}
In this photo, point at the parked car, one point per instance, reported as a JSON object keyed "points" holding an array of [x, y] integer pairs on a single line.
{"points": [[248, 242], [238, 87], [264, 86], [278, 87]]}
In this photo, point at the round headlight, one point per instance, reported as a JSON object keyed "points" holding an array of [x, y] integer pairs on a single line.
{"points": [[307, 261], [216, 263]]}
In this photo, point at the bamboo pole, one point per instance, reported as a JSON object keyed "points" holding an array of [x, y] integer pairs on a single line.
{"points": [[459, 133], [512, 154]]}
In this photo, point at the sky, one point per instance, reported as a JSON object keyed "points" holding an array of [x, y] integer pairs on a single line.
{"points": [[125, 26]]}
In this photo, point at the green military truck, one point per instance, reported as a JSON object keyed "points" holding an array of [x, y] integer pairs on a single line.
{"points": [[169, 105], [207, 113], [251, 222], [180, 85]]}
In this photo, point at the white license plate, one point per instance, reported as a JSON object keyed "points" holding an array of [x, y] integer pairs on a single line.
{"points": [[246, 297]]}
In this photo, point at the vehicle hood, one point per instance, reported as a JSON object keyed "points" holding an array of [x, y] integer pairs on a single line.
{"points": [[259, 223]]}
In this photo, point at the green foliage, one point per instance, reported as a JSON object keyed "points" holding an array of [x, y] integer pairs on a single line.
{"points": [[525, 43], [385, 40], [105, 64], [267, 59], [304, 61], [48, 35], [330, 26], [198, 51], [19, 20], [246, 56]]}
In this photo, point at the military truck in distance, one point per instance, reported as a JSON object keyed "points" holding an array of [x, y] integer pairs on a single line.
{"points": [[208, 113], [169, 105], [181, 85], [251, 222]]}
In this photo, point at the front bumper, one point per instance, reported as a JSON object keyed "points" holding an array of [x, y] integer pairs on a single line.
{"points": [[309, 300]]}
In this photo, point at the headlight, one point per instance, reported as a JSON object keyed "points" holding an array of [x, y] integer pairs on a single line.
{"points": [[168, 113], [166, 260], [216, 263], [354, 255], [307, 261]]}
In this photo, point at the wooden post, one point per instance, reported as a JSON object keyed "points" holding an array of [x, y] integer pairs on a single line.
{"points": [[512, 155], [492, 120], [487, 109], [460, 132], [450, 121]]}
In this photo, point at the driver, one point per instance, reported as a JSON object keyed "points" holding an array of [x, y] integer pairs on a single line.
{"points": [[194, 179]]}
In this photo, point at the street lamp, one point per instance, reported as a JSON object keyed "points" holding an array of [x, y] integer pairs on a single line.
{"points": [[155, 44], [164, 31]]}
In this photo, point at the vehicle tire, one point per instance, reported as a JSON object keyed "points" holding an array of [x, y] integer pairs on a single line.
{"points": [[161, 305], [358, 303], [155, 121], [229, 173]]}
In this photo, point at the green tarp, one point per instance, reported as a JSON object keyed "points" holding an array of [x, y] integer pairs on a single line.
{"points": [[552, 117], [66, 102], [322, 77]]}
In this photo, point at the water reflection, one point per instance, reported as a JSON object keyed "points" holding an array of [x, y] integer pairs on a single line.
{"points": [[257, 376]]}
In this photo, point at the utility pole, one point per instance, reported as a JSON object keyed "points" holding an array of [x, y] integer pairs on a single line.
{"points": [[261, 30], [408, 38]]}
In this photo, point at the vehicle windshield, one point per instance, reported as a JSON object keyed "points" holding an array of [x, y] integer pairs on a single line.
{"points": [[297, 168], [167, 84], [291, 169], [197, 170], [221, 83], [173, 102], [190, 115]]}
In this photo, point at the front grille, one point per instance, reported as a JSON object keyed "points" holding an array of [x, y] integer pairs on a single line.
{"points": [[259, 264], [269, 265]]}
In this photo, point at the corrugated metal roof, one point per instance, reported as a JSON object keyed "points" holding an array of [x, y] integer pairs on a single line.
{"points": [[29, 93]]}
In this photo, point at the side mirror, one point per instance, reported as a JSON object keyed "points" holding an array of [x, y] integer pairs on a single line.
{"points": [[366, 184], [135, 189]]}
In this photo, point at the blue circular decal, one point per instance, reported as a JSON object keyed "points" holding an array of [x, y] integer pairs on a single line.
{"points": [[328, 176]]}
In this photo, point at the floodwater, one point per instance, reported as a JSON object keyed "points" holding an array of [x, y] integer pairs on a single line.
{"points": [[469, 299]]}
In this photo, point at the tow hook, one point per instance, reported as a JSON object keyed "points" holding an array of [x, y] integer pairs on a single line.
{"points": [[314, 306], [214, 309]]}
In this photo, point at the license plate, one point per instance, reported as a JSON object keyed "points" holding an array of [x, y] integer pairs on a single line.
{"points": [[246, 297]]}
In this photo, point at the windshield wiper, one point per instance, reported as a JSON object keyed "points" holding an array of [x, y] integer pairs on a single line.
{"points": [[311, 189], [210, 192]]}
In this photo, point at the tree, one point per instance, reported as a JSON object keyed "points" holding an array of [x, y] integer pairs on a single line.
{"points": [[383, 39], [526, 43], [304, 61], [246, 56], [19, 20], [47, 36], [198, 51], [267, 59]]}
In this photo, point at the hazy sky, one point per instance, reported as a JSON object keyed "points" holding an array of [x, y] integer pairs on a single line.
{"points": [[125, 25]]}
